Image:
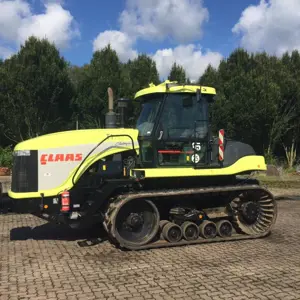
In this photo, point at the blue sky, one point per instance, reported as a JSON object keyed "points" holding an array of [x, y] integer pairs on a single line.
{"points": [[95, 18], [193, 33]]}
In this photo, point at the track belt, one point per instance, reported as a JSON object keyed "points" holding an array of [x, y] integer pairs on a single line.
{"points": [[254, 233]]}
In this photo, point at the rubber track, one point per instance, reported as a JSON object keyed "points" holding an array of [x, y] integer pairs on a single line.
{"points": [[120, 200]]}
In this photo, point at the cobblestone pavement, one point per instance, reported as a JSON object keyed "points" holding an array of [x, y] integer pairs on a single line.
{"points": [[46, 262]]}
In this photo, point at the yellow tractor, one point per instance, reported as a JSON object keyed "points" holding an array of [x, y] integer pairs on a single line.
{"points": [[167, 182]]}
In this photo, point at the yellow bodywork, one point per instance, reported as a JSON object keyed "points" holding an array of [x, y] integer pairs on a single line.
{"points": [[162, 88], [77, 139], [244, 164], [248, 163]]}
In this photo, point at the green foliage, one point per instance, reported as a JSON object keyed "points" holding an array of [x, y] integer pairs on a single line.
{"points": [[258, 95], [177, 73], [6, 157], [258, 100], [137, 74], [35, 91], [142, 72], [91, 102], [270, 158], [77, 74]]}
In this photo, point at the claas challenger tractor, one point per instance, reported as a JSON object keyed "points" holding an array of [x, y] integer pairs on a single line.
{"points": [[167, 182]]}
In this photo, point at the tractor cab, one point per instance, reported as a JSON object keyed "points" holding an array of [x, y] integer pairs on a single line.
{"points": [[174, 125]]}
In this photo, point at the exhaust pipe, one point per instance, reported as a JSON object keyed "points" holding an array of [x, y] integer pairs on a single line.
{"points": [[110, 117]]}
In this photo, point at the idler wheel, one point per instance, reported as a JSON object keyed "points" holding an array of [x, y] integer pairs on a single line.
{"points": [[135, 222], [172, 232], [190, 231], [208, 229], [224, 228]]}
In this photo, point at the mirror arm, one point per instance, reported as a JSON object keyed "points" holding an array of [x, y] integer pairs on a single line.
{"points": [[199, 95]]}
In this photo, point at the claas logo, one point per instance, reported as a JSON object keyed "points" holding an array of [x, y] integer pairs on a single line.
{"points": [[45, 158]]}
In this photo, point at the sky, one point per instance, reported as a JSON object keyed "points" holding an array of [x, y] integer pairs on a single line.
{"points": [[192, 33]]}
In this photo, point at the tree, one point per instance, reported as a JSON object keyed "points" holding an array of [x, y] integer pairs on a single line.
{"points": [[177, 73], [77, 74], [291, 91], [36, 91], [142, 72], [251, 105], [91, 102], [137, 74]]}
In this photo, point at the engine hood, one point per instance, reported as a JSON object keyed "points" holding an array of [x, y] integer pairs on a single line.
{"points": [[75, 137]]}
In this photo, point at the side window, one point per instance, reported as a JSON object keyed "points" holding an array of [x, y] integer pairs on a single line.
{"points": [[147, 118]]}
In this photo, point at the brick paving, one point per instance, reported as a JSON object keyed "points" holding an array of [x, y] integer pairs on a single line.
{"points": [[41, 261]]}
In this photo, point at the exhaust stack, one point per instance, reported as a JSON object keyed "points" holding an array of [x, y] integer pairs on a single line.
{"points": [[110, 117]]}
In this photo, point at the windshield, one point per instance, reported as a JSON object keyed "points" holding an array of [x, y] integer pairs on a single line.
{"points": [[147, 118], [182, 115]]}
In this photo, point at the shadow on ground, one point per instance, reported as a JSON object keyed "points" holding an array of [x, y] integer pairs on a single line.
{"points": [[49, 231], [6, 205]]}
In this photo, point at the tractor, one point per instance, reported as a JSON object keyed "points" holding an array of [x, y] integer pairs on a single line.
{"points": [[168, 181]]}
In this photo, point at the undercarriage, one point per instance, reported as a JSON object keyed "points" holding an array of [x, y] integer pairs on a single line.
{"points": [[153, 219]]}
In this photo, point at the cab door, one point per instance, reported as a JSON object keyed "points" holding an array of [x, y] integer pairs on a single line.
{"points": [[181, 136]]}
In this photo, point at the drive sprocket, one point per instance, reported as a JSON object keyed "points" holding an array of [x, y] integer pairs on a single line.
{"points": [[254, 211]]}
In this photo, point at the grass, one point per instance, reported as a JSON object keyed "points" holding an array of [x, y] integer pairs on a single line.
{"points": [[286, 180]]}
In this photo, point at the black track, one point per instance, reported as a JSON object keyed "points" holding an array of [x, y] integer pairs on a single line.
{"points": [[262, 228]]}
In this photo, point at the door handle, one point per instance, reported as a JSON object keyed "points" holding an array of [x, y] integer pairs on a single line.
{"points": [[161, 133]]}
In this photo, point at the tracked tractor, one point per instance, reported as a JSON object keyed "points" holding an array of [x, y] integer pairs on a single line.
{"points": [[169, 181]]}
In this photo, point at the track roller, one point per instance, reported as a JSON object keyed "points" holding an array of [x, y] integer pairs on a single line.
{"points": [[172, 232], [190, 231], [208, 229], [162, 223], [224, 228]]}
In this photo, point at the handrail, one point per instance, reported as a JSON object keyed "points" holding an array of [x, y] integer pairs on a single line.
{"points": [[113, 135]]}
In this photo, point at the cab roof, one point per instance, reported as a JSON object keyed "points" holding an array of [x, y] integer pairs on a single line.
{"points": [[173, 87]]}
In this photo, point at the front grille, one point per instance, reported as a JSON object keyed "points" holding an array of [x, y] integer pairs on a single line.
{"points": [[25, 172]]}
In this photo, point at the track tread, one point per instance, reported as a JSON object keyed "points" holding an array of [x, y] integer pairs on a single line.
{"points": [[254, 232]]}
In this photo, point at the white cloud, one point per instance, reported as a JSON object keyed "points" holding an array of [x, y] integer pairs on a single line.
{"points": [[118, 41], [272, 26], [55, 25], [189, 57], [181, 20], [18, 22], [12, 14], [158, 20]]}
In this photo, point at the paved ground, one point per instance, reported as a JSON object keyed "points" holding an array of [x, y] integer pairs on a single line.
{"points": [[48, 265]]}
